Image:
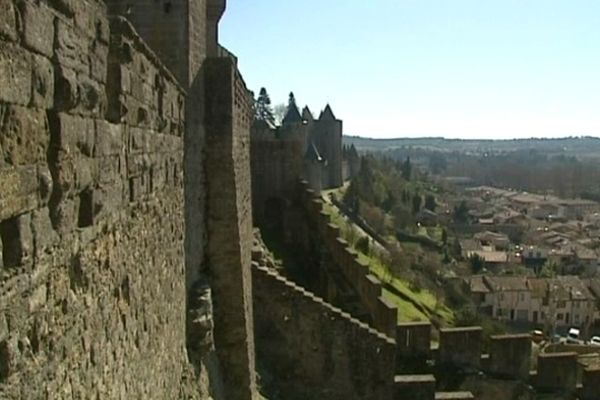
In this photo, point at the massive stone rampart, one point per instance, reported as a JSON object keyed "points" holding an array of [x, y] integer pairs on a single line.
{"points": [[314, 350], [93, 294]]}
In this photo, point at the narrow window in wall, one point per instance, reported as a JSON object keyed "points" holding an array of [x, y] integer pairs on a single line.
{"points": [[12, 252], [86, 209], [167, 7]]}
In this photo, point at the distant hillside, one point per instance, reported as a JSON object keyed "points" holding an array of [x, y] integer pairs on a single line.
{"points": [[582, 146]]}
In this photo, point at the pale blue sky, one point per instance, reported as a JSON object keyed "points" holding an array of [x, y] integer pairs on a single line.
{"points": [[454, 68]]}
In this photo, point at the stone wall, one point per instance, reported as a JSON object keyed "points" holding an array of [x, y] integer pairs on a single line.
{"points": [[91, 219], [510, 356], [314, 350], [380, 313], [277, 165], [229, 222], [461, 347]]}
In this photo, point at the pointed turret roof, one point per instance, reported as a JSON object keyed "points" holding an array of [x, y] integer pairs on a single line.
{"points": [[307, 114], [312, 153], [292, 115], [327, 114]]}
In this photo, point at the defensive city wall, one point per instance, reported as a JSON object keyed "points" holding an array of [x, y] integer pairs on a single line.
{"points": [[505, 358], [125, 217]]}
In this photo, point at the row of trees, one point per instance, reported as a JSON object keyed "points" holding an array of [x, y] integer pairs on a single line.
{"points": [[383, 195]]}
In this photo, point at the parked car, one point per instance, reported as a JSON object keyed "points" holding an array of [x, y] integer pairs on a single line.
{"points": [[595, 341], [573, 336]]}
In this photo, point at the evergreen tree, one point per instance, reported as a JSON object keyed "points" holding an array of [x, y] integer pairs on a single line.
{"points": [[461, 213], [416, 203], [292, 100], [406, 169], [263, 110]]}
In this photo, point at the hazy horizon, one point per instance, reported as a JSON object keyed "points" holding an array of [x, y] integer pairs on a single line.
{"points": [[461, 69], [349, 135]]}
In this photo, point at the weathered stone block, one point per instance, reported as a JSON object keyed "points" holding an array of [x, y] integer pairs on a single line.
{"points": [[557, 371], [71, 48], [99, 61], [9, 357], [38, 298], [510, 356], [109, 171], [64, 216], [42, 83], [66, 7], [460, 347], [73, 133], [92, 99], [109, 139], [38, 27], [417, 387], [591, 384], [24, 135], [45, 184], [66, 90], [84, 171], [17, 241], [8, 20], [15, 74], [44, 236], [413, 340], [108, 199], [138, 140], [19, 190]]}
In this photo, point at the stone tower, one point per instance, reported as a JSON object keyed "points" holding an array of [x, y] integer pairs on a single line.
{"points": [[313, 168], [184, 35], [328, 139]]}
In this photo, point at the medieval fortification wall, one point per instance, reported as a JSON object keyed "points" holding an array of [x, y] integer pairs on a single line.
{"points": [[113, 276]]}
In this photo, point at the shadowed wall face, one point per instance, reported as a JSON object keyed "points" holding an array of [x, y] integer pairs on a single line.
{"points": [[91, 209]]}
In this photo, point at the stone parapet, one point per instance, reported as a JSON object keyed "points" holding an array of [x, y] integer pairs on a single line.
{"points": [[461, 347], [510, 356], [557, 372]]}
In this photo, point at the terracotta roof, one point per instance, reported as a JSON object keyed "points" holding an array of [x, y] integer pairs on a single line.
{"points": [[507, 283], [477, 284]]}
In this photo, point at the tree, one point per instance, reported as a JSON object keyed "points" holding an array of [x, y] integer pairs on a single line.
{"points": [[430, 202], [457, 249], [364, 245], [291, 100], [279, 112], [548, 270], [416, 203], [445, 237], [263, 110], [461, 212], [406, 169], [437, 163]]}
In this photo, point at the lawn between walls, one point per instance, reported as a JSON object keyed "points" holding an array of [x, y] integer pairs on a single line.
{"points": [[412, 305]]}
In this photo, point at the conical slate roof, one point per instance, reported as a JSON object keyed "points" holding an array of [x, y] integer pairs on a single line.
{"points": [[292, 115], [327, 114], [307, 114]]}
